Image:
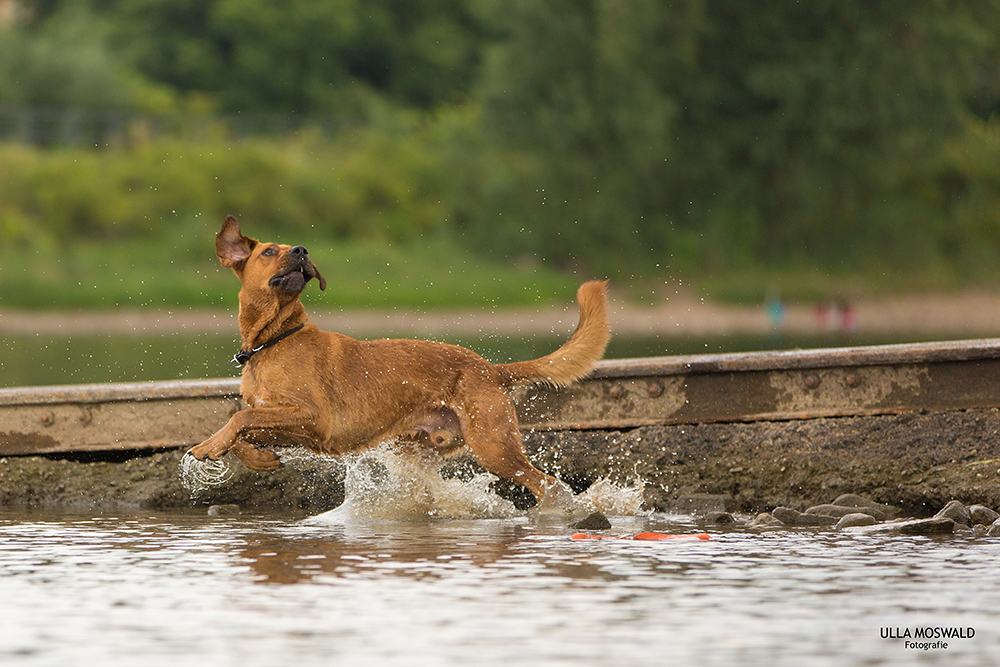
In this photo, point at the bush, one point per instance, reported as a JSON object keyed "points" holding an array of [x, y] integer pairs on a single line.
{"points": [[133, 225], [369, 184]]}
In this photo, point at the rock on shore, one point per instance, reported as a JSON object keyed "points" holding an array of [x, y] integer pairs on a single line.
{"points": [[954, 516], [883, 466]]}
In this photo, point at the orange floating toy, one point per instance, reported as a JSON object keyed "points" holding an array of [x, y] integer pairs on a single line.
{"points": [[646, 537]]}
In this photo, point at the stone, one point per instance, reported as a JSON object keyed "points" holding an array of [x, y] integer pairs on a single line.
{"points": [[843, 510], [994, 530], [955, 511], [765, 520], [854, 500], [595, 521], [983, 515], [790, 517], [228, 509], [932, 526], [720, 518], [856, 519]]}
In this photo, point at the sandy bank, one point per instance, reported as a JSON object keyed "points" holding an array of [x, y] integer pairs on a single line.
{"points": [[938, 315]]}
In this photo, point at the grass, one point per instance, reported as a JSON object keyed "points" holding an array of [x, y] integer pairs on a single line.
{"points": [[181, 273], [171, 264]]}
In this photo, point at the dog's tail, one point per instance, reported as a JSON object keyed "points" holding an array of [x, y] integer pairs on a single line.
{"points": [[577, 355]]}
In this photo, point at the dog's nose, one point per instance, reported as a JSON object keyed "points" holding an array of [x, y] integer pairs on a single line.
{"points": [[299, 251]]}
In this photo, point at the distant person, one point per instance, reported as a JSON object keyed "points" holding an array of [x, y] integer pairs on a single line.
{"points": [[848, 318], [822, 313], [775, 310]]}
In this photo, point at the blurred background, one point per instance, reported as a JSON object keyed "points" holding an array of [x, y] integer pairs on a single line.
{"points": [[815, 164]]}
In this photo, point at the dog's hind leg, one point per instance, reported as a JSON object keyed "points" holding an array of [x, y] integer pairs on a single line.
{"points": [[489, 426]]}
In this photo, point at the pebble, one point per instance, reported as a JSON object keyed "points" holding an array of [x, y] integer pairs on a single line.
{"points": [[843, 510], [854, 500], [790, 517], [764, 520], [862, 515], [223, 510], [856, 519], [955, 511], [595, 521], [858, 514], [933, 526], [982, 515]]}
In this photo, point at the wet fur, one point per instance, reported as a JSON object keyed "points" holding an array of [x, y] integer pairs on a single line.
{"points": [[335, 395]]}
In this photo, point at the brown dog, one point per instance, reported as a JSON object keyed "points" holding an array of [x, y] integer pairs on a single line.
{"points": [[334, 394]]}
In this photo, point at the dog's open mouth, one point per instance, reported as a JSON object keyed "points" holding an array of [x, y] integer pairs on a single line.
{"points": [[295, 278], [292, 281]]}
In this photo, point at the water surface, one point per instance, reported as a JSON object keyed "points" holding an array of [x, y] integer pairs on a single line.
{"points": [[188, 588], [35, 360]]}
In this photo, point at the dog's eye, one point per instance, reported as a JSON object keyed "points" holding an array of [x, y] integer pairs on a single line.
{"points": [[269, 252]]}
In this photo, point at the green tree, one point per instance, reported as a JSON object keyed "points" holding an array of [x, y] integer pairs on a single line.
{"points": [[821, 110], [709, 132], [303, 56], [65, 60], [583, 88]]}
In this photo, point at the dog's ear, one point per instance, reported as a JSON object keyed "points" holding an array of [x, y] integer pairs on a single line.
{"points": [[231, 246], [315, 272]]}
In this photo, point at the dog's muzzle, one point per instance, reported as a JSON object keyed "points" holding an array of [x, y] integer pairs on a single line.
{"points": [[299, 271]]}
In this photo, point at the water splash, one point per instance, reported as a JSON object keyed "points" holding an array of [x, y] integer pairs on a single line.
{"points": [[394, 483], [198, 476], [613, 499], [385, 483]]}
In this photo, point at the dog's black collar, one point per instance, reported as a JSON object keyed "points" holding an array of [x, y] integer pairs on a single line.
{"points": [[243, 356]]}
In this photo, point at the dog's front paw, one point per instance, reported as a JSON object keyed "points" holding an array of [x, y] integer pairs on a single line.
{"points": [[210, 449], [256, 459]]}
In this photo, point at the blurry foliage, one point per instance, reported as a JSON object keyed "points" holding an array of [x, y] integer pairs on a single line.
{"points": [[302, 56], [375, 185], [712, 135], [646, 138], [179, 269], [68, 61]]}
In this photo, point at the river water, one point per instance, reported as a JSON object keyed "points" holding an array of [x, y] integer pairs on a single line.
{"points": [[35, 360], [350, 588]]}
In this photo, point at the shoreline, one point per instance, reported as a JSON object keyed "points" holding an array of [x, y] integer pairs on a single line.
{"points": [[910, 426], [967, 314]]}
